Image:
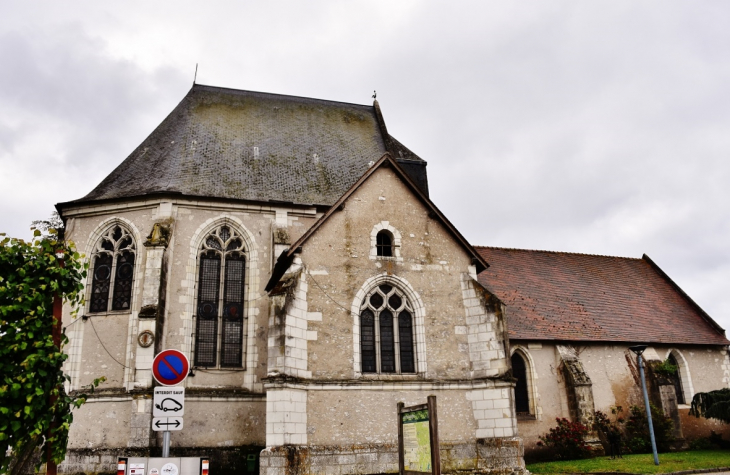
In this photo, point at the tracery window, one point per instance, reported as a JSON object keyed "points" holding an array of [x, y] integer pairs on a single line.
{"points": [[522, 394], [386, 332], [384, 244], [219, 327], [112, 271]]}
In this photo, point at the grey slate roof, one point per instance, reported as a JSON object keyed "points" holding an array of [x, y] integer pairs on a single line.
{"points": [[310, 151]]}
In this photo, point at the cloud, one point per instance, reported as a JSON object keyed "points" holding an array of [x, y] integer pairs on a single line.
{"points": [[71, 114], [596, 127]]}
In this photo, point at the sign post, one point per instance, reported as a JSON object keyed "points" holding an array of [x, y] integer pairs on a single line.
{"points": [[418, 440], [169, 368]]}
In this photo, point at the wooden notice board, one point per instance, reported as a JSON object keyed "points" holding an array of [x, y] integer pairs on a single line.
{"points": [[418, 440]]}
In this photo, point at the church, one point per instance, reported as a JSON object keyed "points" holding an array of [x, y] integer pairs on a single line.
{"points": [[289, 248]]}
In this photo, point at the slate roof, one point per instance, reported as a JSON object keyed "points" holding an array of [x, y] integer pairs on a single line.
{"points": [[206, 148], [579, 297]]}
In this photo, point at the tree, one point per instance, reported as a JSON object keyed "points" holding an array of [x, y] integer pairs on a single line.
{"points": [[34, 408], [712, 405], [47, 226]]}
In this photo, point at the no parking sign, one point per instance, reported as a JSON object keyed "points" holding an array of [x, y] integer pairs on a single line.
{"points": [[170, 367]]}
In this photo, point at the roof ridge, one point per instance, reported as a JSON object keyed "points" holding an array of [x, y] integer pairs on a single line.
{"points": [[273, 94], [556, 252]]}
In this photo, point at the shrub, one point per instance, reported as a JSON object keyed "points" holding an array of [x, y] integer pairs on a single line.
{"points": [[610, 432], [702, 443], [568, 440], [637, 430], [666, 369], [713, 442]]}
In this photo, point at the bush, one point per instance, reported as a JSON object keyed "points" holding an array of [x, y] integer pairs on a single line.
{"points": [[713, 442], [610, 432], [567, 440], [702, 443], [637, 430], [666, 369]]}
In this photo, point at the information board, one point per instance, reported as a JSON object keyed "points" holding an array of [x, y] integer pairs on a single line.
{"points": [[418, 439]]}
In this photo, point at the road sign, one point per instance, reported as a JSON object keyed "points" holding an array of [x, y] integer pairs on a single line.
{"points": [[167, 423], [168, 402], [170, 367]]}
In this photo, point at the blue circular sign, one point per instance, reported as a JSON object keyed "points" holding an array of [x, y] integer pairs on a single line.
{"points": [[170, 367]]}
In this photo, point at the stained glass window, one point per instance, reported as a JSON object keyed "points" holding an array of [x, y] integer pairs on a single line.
{"points": [[102, 279], [219, 339], [386, 332], [113, 270], [367, 341]]}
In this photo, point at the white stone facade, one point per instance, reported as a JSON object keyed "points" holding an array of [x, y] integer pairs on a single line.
{"points": [[300, 385]]}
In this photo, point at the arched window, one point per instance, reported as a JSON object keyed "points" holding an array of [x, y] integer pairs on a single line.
{"points": [[386, 332], [677, 379], [112, 271], [384, 243], [219, 328], [522, 393]]}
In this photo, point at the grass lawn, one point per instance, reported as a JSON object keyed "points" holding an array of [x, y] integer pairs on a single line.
{"points": [[641, 463]]}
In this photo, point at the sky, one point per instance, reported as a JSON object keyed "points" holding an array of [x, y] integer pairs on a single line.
{"points": [[596, 127]]}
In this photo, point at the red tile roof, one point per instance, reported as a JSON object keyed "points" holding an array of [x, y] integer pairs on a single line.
{"points": [[580, 297]]}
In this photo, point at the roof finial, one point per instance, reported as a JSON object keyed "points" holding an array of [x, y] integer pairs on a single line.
{"points": [[375, 94], [195, 78]]}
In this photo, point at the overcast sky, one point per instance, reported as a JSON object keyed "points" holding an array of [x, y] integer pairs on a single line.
{"points": [[593, 127]]}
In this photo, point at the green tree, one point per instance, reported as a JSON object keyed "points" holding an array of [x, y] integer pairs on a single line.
{"points": [[712, 405], [48, 226], [35, 411]]}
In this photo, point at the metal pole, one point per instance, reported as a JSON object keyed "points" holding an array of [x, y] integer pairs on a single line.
{"points": [[648, 410], [166, 443]]}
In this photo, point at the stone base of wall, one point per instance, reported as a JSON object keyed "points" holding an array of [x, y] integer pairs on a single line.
{"points": [[223, 460], [500, 456], [488, 456]]}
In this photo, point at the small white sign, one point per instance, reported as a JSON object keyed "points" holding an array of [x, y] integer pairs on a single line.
{"points": [[136, 469], [169, 469], [166, 423], [168, 402]]}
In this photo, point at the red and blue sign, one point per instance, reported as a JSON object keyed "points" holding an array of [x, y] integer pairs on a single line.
{"points": [[170, 367]]}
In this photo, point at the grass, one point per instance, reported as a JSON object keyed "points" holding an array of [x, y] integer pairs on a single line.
{"points": [[639, 463]]}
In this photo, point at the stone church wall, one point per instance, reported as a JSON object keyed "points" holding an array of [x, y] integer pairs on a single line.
{"points": [[302, 384], [335, 418], [615, 382], [223, 408]]}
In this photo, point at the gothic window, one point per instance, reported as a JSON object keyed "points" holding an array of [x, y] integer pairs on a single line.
{"points": [[677, 380], [384, 244], [221, 280], [522, 394], [386, 332], [112, 271]]}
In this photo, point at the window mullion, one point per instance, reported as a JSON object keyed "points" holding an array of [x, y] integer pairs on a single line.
{"points": [[396, 341], [376, 325], [221, 298], [112, 280]]}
